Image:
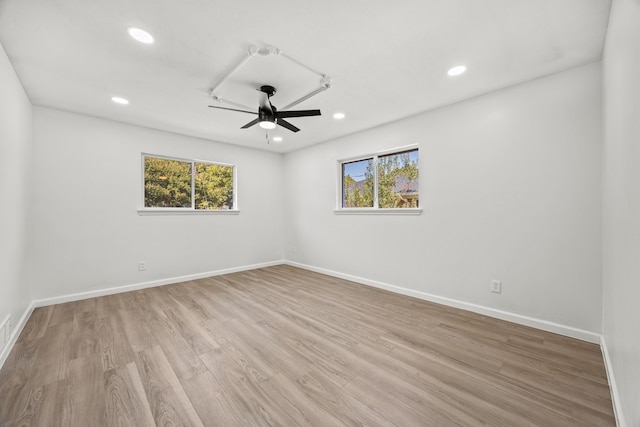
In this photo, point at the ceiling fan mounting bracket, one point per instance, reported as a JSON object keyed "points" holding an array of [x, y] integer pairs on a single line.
{"points": [[253, 50], [267, 50], [268, 89]]}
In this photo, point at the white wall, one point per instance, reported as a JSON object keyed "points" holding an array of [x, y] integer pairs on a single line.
{"points": [[510, 186], [621, 203], [87, 189], [15, 153]]}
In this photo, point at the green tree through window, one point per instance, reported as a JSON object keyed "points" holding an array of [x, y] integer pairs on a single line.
{"points": [[172, 183], [214, 186], [398, 180], [396, 184], [357, 184], [167, 183]]}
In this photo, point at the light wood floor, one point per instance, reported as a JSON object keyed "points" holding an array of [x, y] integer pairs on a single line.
{"points": [[284, 346]]}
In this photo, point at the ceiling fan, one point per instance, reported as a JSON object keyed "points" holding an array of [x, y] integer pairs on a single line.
{"points": [[268, 115]]}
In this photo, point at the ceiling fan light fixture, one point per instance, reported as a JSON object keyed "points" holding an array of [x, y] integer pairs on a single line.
{"points": [[266, 124], [140, 35]]}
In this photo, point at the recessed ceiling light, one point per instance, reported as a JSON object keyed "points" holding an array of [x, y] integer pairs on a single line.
{"points": [[457, 70], [119, 100], [338, 116], [277, 139], [140, 35]]}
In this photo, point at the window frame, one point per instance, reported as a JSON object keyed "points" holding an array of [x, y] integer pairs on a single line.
{"points": [[375, 210], [143, 210]]}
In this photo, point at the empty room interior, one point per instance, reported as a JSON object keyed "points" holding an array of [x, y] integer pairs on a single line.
{"points": [[330, 213]]}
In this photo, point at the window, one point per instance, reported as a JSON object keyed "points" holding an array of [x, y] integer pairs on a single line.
{"points": [[179, 184], [358, 184], [381, 181]]}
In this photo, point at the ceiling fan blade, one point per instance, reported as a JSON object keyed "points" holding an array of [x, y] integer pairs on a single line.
{"points": [[297, 113], [251, 123], [287, 125], [232, 109]]}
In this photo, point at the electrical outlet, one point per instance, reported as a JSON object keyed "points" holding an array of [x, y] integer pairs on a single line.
{"points": [[142, 266], [496, 286]]}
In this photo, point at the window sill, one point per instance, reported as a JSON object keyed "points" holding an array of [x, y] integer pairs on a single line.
{"points": [[187, 212], [371, 211]]}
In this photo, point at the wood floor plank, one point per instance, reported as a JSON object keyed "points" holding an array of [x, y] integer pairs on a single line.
{"points": [[52, 356], [15, 376], [210, 402], [113, 346], [279, 359], [285, 346], [62, 313], [138, 326], [172, 407], [288, 394], [381, 399], [325, 357], [183, 360], [85, 305], [37, 324], [84, 393], [343, 406], [186, 323], [244, 394], [126, 402], [155, 370], [167, 399], [196, 304], [41, 407], [109, 304], [550, 384], [158, 297], [84, 337], [244, 355], [461, 384], [431, 397]]}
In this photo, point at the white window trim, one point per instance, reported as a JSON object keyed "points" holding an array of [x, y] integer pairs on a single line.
{"points": [[378, 211], [339, 210], [188, 211]]}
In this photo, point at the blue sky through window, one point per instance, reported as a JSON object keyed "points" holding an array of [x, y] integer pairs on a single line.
{"points": [[356, 170]]}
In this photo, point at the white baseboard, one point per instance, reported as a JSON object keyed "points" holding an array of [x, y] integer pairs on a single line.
{"points": [[17, 330], [615, 397], [545, 325], [137, 286]]}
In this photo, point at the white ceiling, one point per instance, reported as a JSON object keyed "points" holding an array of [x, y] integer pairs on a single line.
{"points": [[387, 60]]}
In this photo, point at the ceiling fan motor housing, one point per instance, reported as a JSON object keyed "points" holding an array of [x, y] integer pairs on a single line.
{"points": [[268, 115], [264, 115], [269, 90]]}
